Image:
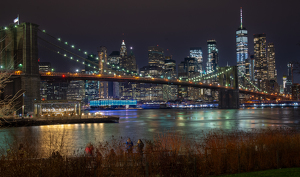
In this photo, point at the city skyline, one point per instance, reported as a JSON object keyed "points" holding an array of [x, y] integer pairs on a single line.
{"points": [[175, 31]]}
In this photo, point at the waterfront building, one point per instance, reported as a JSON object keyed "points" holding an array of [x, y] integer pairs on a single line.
{"points": [[213, 57], [57, 91], [196, 52], [76, 90], [242, 49], [91, 90], [261, 64]]}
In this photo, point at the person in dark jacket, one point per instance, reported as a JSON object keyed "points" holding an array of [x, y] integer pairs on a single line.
{"points": [[140, 146], [129, 145]]}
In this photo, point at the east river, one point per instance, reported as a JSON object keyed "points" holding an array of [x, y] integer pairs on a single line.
{"points": [[145, 124]]}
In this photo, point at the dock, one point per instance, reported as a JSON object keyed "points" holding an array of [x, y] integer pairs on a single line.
{"points": [[19, 122]]}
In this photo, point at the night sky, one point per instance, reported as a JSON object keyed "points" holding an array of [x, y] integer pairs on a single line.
{"points": [[171, 24]]}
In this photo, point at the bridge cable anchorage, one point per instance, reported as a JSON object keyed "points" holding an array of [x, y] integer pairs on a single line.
{"points": [[115, 68], [65, 55]]}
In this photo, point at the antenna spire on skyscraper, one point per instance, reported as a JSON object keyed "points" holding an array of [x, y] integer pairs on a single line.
{"points": [[241, 13]]}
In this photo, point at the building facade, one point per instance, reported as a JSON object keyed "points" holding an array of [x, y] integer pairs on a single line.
{"points": [[170, 91], [272, 72], [289, 81], [103, 85], [242, 50], [261, 64], [213, 57], [156, 56], [196, 52]]}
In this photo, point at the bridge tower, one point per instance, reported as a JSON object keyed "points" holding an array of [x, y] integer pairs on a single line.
{"points": [[20, 52], [229, 98]]}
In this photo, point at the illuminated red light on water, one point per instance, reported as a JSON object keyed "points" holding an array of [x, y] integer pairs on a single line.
{"points": [[63, 75]]}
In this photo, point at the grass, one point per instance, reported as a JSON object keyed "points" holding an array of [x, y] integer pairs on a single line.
{"points": [[168, 154], [290, 172]]}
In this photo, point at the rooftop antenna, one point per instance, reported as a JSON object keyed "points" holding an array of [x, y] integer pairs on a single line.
{"points": [[241, 14]]}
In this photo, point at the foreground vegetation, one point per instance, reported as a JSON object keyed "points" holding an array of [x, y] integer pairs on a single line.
{"points": [[168, 154], [290, 172]]}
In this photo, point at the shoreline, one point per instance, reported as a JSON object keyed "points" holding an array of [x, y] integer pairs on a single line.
{"points": [[53, 121]]}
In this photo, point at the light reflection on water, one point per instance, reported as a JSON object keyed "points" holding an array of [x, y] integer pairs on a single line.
{"points": [[145, 124]]}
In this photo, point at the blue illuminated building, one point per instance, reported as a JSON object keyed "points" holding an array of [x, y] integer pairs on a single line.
{"points": [[115, 103]]}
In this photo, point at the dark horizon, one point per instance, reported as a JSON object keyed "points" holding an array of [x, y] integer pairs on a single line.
{"points": [[173, 25]]}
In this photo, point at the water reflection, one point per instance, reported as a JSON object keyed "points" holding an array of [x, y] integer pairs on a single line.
{"points": [[147, 123]]}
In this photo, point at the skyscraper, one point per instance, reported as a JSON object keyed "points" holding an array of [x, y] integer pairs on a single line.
{"points": [[170, 91], [196, 52], [261, 64], [289, 80], [123, 55], [130, 63], [272, 72], [156, 56], [123, 50], [103, 87], [187, 70], [102, 53], [212, 58], [241, 47]]}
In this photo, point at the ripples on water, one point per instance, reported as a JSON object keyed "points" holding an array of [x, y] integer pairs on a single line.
{"points": [[144, 124]]}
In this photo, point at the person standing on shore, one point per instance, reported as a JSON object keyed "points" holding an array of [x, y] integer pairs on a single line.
{"points": [[129, 145], [140, 146], [89, 149]]}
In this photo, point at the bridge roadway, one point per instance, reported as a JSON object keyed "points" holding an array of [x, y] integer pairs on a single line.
{"points": [[54, 76]]}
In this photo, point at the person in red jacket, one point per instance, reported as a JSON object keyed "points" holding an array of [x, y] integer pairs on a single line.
{"points": [[89, 149]]}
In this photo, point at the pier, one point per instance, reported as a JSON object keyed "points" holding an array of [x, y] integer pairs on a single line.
{"points": [[19, 122]]}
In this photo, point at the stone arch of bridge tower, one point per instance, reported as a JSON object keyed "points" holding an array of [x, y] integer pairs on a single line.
{"points": [[225, 80]]}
